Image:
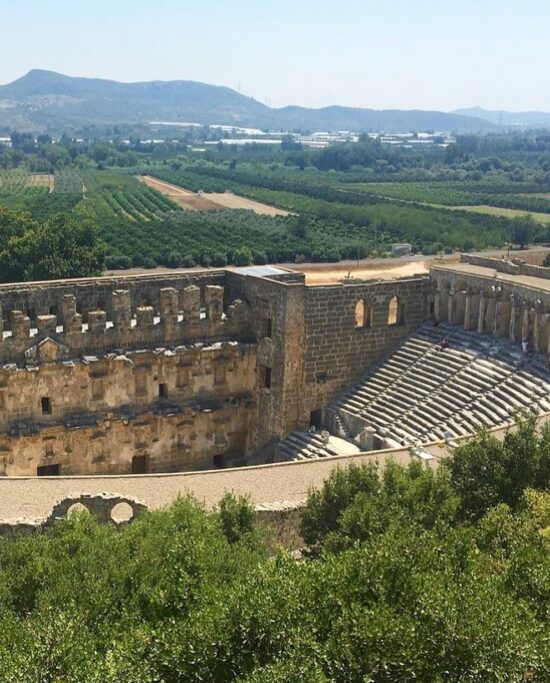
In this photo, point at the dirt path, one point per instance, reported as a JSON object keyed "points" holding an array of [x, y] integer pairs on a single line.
{"points": [[211, 201], [333, 273]]}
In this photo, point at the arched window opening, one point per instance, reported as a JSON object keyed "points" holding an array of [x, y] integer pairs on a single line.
{"points": [[395, 312], [362, 314]]}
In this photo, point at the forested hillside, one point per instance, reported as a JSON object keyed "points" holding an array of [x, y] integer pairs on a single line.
{"points": [[45, 100]]}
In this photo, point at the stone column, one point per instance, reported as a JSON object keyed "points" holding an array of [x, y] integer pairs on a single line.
{"points": [[514, 309], [72, 321], [20, 327], [481, 316], [191, 303], [437, 305], [502, 318], [442, 308], [46, 325], [145, 317], [97, 322], [122, 309], [213, 299], [537, 325], [490, 312], [525, 322], [169, 306], [467, 309]]}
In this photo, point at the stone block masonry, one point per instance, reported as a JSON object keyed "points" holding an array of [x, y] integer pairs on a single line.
{"points": [[182, 371], [338, 350]]}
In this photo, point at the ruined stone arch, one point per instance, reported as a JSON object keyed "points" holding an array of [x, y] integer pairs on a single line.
{"points": [[363, 314]]}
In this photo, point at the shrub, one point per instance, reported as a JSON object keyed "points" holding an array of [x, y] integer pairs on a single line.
{"points": [[242, 257], [260, 258], [149, 262], [236, 517], [188, 262], [219, 260], [173, 260]]}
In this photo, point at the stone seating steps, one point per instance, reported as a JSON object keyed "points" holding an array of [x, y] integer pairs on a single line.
{"points": [[422, 392], [303, 446]]}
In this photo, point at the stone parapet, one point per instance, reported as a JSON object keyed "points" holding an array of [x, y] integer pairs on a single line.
{"points": [[128, 326]]}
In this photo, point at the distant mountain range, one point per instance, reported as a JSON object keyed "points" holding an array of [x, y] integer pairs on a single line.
{"points": [[45, 100], [526, 119]]}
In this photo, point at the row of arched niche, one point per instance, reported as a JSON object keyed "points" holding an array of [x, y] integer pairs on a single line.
{"points": [[364, 310]]}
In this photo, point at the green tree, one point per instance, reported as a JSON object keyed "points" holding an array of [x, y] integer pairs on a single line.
{"points": [[242, 256], [523, 230], [486, 472]]}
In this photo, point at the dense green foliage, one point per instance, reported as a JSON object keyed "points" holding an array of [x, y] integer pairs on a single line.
{"points": [[351, 200], [59, 247], [407, 578]]}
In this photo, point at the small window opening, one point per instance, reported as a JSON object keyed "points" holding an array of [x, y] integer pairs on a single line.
{"points": [[47, 470], [46, 403], [267, 327], [432, 309], [53, 310], [395, 312], [266, 377], [362, 314], [163, 390], [139, 464]]}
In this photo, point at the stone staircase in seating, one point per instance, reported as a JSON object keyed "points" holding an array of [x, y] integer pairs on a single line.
{"points": [[427, 391]]}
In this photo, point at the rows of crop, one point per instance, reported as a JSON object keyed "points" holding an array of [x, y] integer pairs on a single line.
{"points": [[67, 181], [509, 195], [400, 221], [14, 183], [111, 194]]}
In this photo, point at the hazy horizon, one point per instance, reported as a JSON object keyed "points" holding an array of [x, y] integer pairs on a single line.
{"points": [[358, 53]]}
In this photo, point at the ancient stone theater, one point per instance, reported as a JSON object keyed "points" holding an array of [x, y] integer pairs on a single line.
{"points": [[193, 377]]}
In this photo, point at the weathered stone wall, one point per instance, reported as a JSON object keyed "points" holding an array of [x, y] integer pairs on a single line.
{"points": [[188, 437], [177, 407], [337, 351], [258, 348], [91, 294], [188, 315], [277, 321], [513, 267]]}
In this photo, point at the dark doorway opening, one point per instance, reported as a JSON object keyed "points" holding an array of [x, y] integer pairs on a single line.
{"points": [[163, 390], [315, 419], [47, 471], [217, 460], [139, 464], [266, 377], [46, 403]]}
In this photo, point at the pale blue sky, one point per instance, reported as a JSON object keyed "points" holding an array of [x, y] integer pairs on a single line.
{"points": [[425, 54]]}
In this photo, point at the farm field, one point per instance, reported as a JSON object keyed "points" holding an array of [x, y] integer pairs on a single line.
{"points": [[543, 218], [458, 194], [210, 201], [14, 183], [110, 194]]}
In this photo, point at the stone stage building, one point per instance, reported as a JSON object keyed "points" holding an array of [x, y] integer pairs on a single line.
{"points": [[209, 369]]}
